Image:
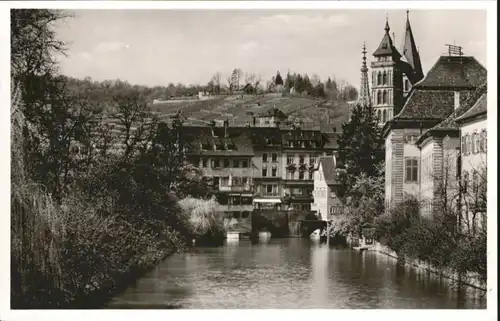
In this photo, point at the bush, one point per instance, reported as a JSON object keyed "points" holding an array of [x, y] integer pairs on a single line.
{"points": [[204, 216]]}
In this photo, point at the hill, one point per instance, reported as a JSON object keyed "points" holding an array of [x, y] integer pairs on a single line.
{"points": [[239, 110]]}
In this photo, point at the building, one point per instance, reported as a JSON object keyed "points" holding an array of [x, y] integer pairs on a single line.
{"points": [[473, 166], [265, 166], [326, 204], [446, 87], [393, 74], [440, 158]]}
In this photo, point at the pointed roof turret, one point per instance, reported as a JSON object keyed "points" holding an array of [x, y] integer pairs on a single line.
{"points": [[386, 47], [364, 91], [410, 52]]}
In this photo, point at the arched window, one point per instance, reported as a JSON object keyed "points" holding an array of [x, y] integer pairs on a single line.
{"points": [[384, 78], [407, 85], [390, 77], [385, 97], [384, 116], [373, 78], [379, 97], [379, 115], [379, 78]]}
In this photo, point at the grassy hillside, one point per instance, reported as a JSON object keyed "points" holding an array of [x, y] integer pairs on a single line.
{"points": [[239, 110]]}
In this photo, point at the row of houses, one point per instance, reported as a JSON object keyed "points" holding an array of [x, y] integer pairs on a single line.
{"points": [[265, 166]]}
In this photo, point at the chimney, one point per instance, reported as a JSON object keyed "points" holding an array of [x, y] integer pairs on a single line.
{"points": [[457, 100]]}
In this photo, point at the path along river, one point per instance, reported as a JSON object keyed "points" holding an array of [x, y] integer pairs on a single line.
{"points": [[289, 274]]}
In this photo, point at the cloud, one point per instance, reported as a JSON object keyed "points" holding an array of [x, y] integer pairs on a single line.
{"points": [[248, 47]]}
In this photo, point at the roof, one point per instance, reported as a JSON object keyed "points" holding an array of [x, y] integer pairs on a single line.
{"points": [[480, 107], [328, 165], [411, 55], [450, 124], [454, 72], [386, 47], [427, 104], [202, 140], [433, 96]]}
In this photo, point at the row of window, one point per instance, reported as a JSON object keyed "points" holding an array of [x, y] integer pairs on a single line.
{"points": [[274, 158], [323, 192], [274, 171], [235, 181], [384, 116], [382, 78], [225, 163], [268, 189], [382, 97], [337, 210], [237, 215], [474, 143], [303, 144], [300, 175], [473, 182], [302, 159]]}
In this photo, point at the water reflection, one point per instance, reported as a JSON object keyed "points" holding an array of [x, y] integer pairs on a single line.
{"points": [[290, 273]]}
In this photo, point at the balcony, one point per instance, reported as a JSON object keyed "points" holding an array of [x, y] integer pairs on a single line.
{"points": [[299, 197]]}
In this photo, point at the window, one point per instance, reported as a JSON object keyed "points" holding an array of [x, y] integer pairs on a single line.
{"points": [[385, 98], [274, 157], [244, 181], [301, 159], [301, 175], [204, 162], [464, 145], [216, 163], [332, 209], [274, 172], [224, 181], [411, 169], [244, 163], [264, 171], [312, 160], [384, 78], [264, 158], [384, 115], [226, 163], [411, 139], [473, 143], [379, 97], [469, 144], [379, 78], [236, 163], [407, 85], [236, 181], [290, 160]]}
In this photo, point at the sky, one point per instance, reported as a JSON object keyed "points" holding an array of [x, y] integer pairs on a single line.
{"points": [[157, 47]]}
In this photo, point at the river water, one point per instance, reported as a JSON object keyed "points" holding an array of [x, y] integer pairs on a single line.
{"points": [[289, 274]]}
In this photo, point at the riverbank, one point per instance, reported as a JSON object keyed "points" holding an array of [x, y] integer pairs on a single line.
{"points": [[470, 279]]}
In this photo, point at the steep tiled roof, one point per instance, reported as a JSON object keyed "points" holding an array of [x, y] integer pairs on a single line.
{"points": [[454, 72], [479, 107], [386, 47], [427, 104], [433, 96], [450, 123], [411, 55], [474, 101], [328, 166]]}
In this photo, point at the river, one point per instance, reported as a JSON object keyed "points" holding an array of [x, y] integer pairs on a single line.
{"points": [[288, 274]]}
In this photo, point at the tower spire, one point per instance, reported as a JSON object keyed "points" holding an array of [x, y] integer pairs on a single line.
{"points": [[387, 28], [410, 52], [364, 91]]}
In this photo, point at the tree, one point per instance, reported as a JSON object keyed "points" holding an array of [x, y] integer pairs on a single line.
{"points": [[360, 146], [216, 82], [278, 80]]}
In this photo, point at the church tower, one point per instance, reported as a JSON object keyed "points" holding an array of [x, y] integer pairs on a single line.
{"points": [[387, 79], [364, 90], [411, 58]]}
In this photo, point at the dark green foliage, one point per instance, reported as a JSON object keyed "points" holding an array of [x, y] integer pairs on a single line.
{"points": [[434, 240], [361, 148]]}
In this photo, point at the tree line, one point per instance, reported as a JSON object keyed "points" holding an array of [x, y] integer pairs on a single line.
{"points": [[96, 178]]}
